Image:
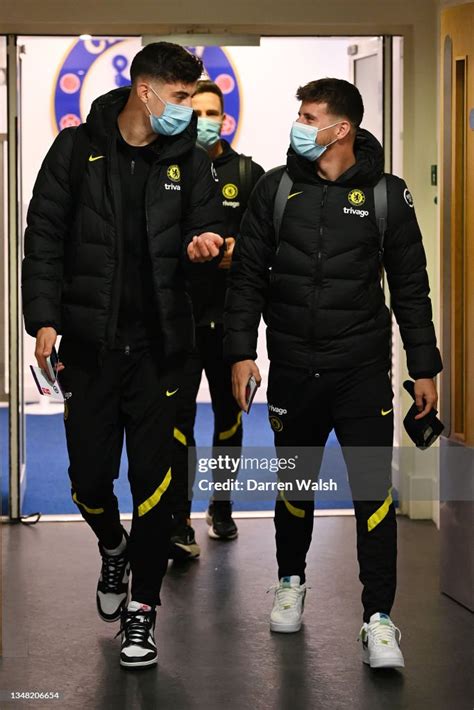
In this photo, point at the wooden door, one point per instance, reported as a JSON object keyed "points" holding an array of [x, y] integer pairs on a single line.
{"points": [[457, 298]]}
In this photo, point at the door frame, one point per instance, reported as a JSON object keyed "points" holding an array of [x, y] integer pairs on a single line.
{"points": [[16, 419]]}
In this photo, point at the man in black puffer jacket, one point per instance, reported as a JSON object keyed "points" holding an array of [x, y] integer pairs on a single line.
{"points": [[328, 336], [237, 176], [106, 257]]}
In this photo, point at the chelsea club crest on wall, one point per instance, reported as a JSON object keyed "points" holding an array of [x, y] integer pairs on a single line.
{"points": [[94, 66]]}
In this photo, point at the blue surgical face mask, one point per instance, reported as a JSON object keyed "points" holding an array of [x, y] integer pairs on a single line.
{"points": [[174, 119], [303, 140], [208, 132]]}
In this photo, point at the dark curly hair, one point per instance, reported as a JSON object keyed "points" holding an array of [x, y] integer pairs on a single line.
{"points": [[166, 61]]}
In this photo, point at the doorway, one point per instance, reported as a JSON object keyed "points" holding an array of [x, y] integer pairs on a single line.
{"points": [[58, 79]]}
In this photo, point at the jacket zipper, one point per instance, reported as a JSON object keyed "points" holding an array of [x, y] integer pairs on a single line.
{"points": [[320, 236], [318, 269], [153, 167], [117, 279], [127, 285]]}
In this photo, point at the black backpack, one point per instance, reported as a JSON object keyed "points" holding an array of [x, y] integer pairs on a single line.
{"points": [[245, 178], [380, 200]]}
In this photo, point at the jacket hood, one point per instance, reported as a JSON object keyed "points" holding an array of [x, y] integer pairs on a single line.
{"points": [[227, 155], [367, 170], [102, 124]]}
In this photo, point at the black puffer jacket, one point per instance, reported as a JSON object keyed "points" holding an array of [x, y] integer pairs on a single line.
{"points": [[73, 243], [320, 291], [209, 296]]}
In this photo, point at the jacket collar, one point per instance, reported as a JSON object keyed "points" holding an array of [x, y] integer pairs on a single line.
{"points": [[102, 126], [366, 171]]}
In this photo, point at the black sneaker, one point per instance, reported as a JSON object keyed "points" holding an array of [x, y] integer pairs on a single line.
{"points": [[219, 519], [138, 648], [112, 587], [183, 545]]}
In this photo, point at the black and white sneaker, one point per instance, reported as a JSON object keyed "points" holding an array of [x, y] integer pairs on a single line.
{"points": [[220, 521], [183, 545], [112, 587], [138, 636]]}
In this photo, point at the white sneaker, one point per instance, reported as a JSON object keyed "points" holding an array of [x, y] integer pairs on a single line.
{"points": [[138, 649], [288, 605], [380, 645]]}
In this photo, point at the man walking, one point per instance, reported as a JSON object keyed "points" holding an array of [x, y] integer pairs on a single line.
{"points": [[121, 208], [237, 175], [316, 279]]}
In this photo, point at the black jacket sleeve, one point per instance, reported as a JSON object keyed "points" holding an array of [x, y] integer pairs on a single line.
{"points": [[249, 274], [405, 265], [204, 211], [48, 223]]}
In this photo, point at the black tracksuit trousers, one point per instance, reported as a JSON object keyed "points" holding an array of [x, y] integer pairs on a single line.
{"points": [[132, 395], [303, 409], [207, 356]]}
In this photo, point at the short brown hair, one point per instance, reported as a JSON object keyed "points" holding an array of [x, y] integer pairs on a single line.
{"points": [[342, 98], [206, 86]]}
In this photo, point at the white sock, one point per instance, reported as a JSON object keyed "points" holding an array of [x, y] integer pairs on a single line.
{"points": [[117, 550], [137, 606]]}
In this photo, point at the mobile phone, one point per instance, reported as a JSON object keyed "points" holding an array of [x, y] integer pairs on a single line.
{"points": [[250, 391], [52, 363]]}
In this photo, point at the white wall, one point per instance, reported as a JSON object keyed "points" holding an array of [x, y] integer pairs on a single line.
{"points": [[269, 76]]}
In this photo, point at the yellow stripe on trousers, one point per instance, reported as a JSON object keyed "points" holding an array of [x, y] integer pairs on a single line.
{"points": [[297, 512], [230, 432], [180, 437], [381, 512], [155, 498], [93, 511]]}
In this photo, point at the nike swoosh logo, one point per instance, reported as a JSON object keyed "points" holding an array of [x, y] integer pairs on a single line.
{"points": [[170, 394], [293, 194], [92, 158], [384, 413]]}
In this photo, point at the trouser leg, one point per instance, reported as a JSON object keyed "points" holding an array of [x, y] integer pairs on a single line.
{"points": [[228, 431], [94, 435], [300, 419], [364, 427], [184, 457], [149, 411]]}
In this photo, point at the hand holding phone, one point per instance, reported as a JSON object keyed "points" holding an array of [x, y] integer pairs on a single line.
{"points": [[52, 363], [250, 392], [242, 371], [45, 341]]}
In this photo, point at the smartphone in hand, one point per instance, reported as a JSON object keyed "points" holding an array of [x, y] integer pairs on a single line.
{"points": [[250, 392], [52, 363]]}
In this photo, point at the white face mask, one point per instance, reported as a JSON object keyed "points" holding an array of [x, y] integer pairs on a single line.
{"points": [[208, 132], [174, 119], [303, 140]]}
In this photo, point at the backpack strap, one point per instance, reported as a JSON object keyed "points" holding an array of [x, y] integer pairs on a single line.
{"points": [[79, 156], [381, 211], [245, 179], [279, 206]]}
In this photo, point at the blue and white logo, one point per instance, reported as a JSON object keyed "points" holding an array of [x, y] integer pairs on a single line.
{"points": [[95, 66]]}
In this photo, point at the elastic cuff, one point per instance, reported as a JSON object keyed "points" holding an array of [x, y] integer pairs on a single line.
{"points": [[238, 358]]}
